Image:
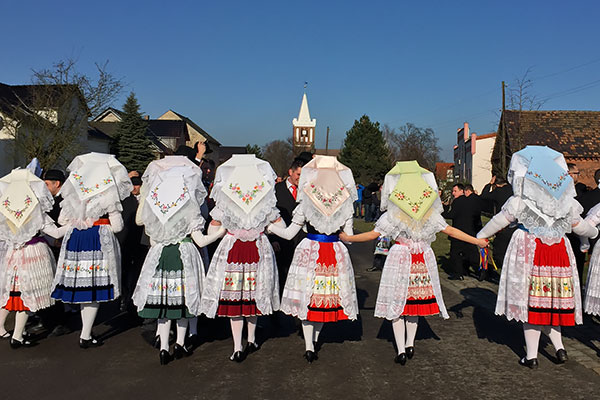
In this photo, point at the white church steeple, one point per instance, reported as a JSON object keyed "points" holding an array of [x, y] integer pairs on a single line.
{"points": [[304, 127]]}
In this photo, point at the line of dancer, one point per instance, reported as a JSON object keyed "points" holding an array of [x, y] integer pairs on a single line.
{"points": [[539, 283]]}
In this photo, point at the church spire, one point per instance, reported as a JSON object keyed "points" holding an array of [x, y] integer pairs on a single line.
{"points": [[303, 119], [304, 128]]}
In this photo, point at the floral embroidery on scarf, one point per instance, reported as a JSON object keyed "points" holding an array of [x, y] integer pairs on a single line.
{"points": [[90, 189], [327, 201], [249, 195], [165, 207], [551, 185], [19, 212], [415, 205]]}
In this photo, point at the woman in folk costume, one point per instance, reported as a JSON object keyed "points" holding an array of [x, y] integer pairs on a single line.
{"points": [[27, 264], [410, 284], [539, 285], [171, 280], [88, 268], [591, 304], [320, 284], [242, 281]]}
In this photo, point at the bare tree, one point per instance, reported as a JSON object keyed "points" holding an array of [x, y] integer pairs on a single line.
{"points": [[413, 143], [48, 119], [279, 153], [520, 95]]}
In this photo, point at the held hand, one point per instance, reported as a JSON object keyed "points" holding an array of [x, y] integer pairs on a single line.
{"points": [[482, 243], [344, 237]]}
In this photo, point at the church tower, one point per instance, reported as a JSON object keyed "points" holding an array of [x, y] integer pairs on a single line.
{"points": [[304, 129]]}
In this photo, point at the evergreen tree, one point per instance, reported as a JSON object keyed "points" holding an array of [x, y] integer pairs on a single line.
{"points": [[254, 149], [131, 145], [365, 152]]}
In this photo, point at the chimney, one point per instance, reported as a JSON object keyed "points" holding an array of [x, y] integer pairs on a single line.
{"points": [[466, 130]]}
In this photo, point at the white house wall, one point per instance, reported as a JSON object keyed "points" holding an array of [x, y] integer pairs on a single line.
{"points": [[482, 165]]}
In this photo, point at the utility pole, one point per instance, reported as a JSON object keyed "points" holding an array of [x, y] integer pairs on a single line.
{"points": [[327, 143], [503, 134]]}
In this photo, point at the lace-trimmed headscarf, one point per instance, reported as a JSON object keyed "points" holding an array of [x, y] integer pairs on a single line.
{"points": [[244, 193], [24, 201], [172, 193], [410, 197], [539, 176], [96, 185], [326, 193]]}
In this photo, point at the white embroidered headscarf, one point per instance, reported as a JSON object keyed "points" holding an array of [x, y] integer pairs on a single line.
{"points": [[410, 197], [96, 185], [244, 193], [539, 178], [24, 202], [326, 193], [172, 194]]}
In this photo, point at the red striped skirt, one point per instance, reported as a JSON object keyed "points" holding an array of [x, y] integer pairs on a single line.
{"points": [[420, 299], [551, 298], [324, 303]]}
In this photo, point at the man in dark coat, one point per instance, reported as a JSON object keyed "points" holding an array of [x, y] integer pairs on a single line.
{"points": [[495, 194], [286, 193], [130, 238], [463, 215], [588, 200]]}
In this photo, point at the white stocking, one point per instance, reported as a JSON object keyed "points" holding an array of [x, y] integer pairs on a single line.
{"points": [[252, 329], [20, 322], [163, 328], [411, 330], [308, 329], [237, 326], [182, 325], [532, 339], [193, 326], [398, 327], [3, 315], [554, 333], [318, 326], [88, 315]]}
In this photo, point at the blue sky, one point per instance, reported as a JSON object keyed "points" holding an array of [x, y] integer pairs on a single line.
{"points": [[238, 68]]}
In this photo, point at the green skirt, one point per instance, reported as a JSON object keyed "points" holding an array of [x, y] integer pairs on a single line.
{"points": [[166, 298]]}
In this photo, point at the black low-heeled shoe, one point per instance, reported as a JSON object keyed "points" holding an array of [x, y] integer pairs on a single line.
{"points": [[532, 364], [410, 352], [251, 347], [238, 356], [400, 359], [16, 344], [561, 356], [87, 343], [181, 351], [310, 356], [164, 356]]}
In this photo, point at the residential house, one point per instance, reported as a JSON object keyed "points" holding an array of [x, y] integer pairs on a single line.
{"points": [[62, 109], [472, 157], [576, 134]]}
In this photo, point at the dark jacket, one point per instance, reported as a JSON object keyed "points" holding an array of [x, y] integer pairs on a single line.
{"points": [[462, 214], [285, 202], [495, 197]]}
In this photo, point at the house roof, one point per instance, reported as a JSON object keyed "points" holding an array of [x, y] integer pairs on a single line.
{"points": [[107, 131], [209, 138], [108, 111], [329, 152], [12, 96], [576, 134], [486, 136], [441, 170]]}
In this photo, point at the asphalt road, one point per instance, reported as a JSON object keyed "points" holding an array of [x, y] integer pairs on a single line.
{"points": [[474, 356]]}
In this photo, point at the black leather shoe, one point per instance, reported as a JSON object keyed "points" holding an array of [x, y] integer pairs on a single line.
{"points": [[16, 344], [456, 277], [181, 351], [164, 357], [87, 343], [310, 356], [238, 356], [561, 356], [483, 274], [400, 359], [251, 348], [192, 341], [533, 363], [410, 352]]}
